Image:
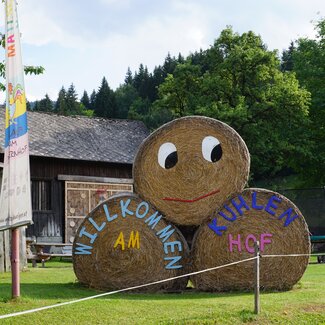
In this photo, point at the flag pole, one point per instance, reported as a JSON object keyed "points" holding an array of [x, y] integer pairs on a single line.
{"points": [[15, 272], [15, 196]]}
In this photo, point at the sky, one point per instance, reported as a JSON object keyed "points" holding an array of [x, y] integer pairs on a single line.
{"points": [[81, 41]]}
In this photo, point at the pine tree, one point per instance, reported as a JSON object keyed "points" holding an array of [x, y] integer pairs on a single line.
{"points": [[36, 106], [92, 100], [287, 58], [105, 101], [28, 106], [73, 107], [45, 104], [85, 100], [128, 78], [61, 105]]}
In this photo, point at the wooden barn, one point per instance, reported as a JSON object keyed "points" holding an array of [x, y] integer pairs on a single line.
{"points": [[76, 162]]}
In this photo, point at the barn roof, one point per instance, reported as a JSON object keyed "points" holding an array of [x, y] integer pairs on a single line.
{"points": [[82, 138]]}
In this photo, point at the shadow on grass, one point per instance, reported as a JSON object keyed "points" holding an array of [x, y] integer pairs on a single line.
{"points": [[70, 291]]}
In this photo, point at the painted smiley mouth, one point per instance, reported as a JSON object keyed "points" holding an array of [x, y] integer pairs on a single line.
{"points": [[192, 200]]}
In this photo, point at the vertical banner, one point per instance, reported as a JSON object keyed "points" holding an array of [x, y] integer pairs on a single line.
{"points": [[15, 200]]}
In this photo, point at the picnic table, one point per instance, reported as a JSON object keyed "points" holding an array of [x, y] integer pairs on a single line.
{"points": [[318, 240], [41, 252]]}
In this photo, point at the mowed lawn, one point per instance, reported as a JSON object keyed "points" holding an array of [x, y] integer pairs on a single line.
{"points": [[56, 283]]}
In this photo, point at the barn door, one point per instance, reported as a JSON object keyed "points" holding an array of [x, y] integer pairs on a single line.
{"points": [[47, 211]]}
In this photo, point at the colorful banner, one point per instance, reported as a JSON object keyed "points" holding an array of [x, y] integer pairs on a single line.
{"points": [[15, 200]]}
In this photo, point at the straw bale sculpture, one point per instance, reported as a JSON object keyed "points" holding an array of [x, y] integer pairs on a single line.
{"points": [[189, 167], [191, 172], [254, 215], [124, 242]]}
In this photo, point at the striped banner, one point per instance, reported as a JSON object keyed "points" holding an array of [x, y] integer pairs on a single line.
{"points": [[15, 200]]}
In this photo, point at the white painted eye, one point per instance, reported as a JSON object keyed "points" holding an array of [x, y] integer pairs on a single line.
{"points": [[211, 149], [167, 155]]}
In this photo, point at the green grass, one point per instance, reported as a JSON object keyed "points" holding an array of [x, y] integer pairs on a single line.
{"points": [[305, 304]]}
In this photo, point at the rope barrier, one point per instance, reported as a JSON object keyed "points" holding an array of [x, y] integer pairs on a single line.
{"points": [[122, 290], [292, 255], [148, 284]]}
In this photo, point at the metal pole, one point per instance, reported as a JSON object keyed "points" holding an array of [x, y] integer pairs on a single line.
{"points": [[257, 278], [15, 272]]}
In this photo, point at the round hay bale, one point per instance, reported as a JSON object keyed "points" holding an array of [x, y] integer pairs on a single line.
{"points": [[125, 242], [189, 167], [229, 236]]}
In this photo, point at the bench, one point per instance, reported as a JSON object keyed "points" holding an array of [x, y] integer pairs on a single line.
{"points": [[41, 252], [320, 242]]}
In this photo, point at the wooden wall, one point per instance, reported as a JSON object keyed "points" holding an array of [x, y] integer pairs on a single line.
{"points": [[49, 226], [5, 264], [42, 167]]}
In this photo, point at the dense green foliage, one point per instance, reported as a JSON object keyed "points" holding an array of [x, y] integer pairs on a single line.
{"points": [[56, 283], [308, 62], [276, 104]]}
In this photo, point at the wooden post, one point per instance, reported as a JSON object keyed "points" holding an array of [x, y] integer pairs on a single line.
{"points": [[257, 278], [15, 272], [2, 252]]}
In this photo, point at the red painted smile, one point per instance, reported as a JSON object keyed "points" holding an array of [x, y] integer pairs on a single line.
{"points": [[193, 200]]}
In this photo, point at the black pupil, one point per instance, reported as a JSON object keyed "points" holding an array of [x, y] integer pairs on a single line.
{"points": [[171, 160], [216, 153]]}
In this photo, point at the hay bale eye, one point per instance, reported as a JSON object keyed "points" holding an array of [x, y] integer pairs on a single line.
{"points": [[211, 149], [167, 155]]}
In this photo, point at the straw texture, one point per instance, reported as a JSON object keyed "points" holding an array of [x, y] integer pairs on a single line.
{"points": [[194, 187], [278, 273], [109, 268]]}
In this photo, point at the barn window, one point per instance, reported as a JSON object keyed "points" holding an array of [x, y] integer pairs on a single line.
{"points": [[41, 195]]}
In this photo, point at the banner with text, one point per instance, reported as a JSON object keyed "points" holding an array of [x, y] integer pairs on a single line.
{"points": [[15, 200]]}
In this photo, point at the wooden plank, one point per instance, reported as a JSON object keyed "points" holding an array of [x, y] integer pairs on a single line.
{"points": [[7, 264], [94, 179], [2, 255], [22, 249]]}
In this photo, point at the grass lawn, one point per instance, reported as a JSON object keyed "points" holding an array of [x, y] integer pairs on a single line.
{"points": [[305, 304]]}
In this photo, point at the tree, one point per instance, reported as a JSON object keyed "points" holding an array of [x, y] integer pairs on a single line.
{"points": [[105, 105], [92, 100], [309, 67], [241, 84], [45, 104], [128, 80], [61, 105], [287, 58], [125, 96], [36, 106], [73, 106], [179, 91], [85, 100], [28, 106]]}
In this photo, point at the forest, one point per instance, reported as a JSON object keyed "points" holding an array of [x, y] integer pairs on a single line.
{"points": [[276, 101]]}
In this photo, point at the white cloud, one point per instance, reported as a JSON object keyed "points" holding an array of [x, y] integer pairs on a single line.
{"points": [[96, 38], [119, 3], [39, 28]]}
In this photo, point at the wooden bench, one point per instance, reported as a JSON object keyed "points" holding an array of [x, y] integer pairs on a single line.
{"points": [[318, 240], [36, 253]]}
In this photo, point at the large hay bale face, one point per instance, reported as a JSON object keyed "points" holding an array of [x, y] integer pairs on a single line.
{"points": [[189, 167], [125, 242], [229, 236]]}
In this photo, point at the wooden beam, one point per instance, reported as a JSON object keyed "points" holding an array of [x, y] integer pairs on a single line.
{"points": [[94, 179]]}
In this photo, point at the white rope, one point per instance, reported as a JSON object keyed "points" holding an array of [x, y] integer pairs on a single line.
{"points": [[290, 255], [122, 290]]}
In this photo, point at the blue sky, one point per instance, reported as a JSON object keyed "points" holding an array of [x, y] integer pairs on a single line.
{"points": [[80, 41]]}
